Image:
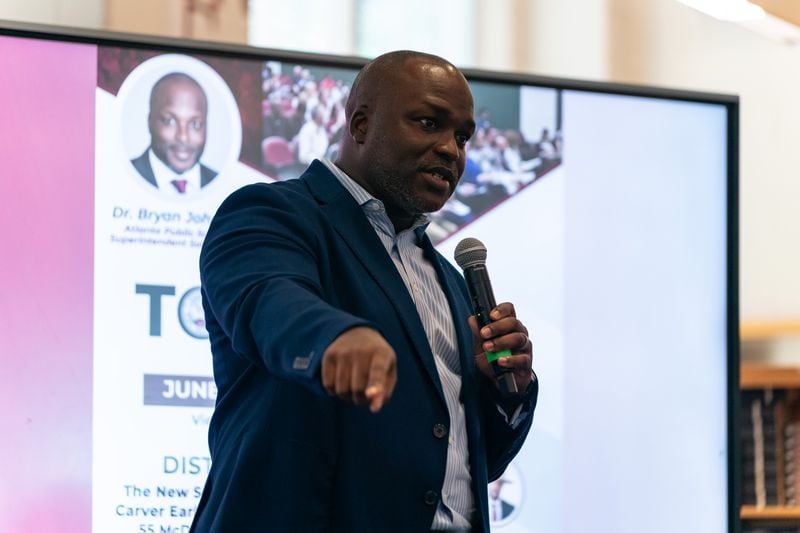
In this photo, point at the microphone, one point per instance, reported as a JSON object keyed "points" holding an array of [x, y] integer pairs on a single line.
{"points": [[470, 254]]}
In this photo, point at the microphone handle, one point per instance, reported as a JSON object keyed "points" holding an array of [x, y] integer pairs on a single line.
{"points": [[480, 290]]}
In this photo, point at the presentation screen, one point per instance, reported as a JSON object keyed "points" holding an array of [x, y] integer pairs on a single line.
{"points": [[607, 213]]}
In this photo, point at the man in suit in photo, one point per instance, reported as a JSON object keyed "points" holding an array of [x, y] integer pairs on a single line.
{"points": [[499, 509], [177, 124], [354, 393]]}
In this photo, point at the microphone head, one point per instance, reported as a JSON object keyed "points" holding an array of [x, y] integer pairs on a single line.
{"points": [[470, 252]]}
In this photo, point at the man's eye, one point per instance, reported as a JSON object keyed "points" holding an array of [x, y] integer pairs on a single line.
{"points": [[462, 139], [428, 123], [196, 125], [168, 121]]}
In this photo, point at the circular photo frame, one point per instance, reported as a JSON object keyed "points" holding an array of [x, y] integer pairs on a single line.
{"points": [[223, 124], [506, 497]]}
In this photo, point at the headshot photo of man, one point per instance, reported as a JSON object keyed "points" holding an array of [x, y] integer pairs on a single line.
{"points": [[177, 123], [499, 508]]}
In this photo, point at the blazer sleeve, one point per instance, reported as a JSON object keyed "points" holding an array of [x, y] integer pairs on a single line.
{"points": [[260, 275], [504, 440]]}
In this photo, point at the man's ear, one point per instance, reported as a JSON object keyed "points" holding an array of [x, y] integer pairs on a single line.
{"points": [[358, 125]]}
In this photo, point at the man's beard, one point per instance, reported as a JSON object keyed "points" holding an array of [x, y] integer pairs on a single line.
{"points": [[399, 194]]}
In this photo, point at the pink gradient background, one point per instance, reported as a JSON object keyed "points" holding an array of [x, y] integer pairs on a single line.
{"points": [[46, 234]]}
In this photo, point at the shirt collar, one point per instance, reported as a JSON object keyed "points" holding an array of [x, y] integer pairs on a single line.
{"points": [[371, 205], [165, 175]]}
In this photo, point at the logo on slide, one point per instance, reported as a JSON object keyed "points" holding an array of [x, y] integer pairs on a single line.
{"points": [[190, 314]]}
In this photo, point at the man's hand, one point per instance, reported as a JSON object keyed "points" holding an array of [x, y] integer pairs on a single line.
{"points": [[359, 366], [505, 332]]}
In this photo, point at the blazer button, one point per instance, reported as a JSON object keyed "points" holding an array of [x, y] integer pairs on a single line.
{"points": [[439, 431], [431, 498]]}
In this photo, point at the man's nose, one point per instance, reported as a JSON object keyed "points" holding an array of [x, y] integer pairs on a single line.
{"points": [[183, 132], [447, 146]]}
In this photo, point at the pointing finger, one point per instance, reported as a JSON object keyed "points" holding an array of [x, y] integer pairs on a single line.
{"points": [[377, 382]]}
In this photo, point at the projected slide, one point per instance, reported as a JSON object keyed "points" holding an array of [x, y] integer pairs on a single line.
{"points": [[604, 219], [169, 149]]}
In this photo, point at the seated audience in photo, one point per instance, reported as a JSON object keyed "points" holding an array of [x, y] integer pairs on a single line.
{"points": [[312, 141]]}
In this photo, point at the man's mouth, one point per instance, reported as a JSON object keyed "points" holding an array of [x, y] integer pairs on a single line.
{"points": [[182, 153], [441, 173]]}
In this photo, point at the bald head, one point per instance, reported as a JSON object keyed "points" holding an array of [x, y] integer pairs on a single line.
{"points": [[381, 73], [177, 121], [176, 82]]}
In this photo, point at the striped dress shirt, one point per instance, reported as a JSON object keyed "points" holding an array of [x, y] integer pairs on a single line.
{"points": [[457, 502]]}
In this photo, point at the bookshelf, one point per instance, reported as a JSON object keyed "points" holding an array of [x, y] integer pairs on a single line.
{"points": [[771, 396], [766, 376], [755, 331]]}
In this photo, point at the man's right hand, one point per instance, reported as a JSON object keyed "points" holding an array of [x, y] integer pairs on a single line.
{"points": [[359, 366]]}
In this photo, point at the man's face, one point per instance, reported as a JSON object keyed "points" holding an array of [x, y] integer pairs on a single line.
{"points": [[318, 117], [414, 148], [178, 124]]}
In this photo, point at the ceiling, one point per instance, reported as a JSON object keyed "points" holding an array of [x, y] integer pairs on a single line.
{"points": [[788, 10], [781, 23]]}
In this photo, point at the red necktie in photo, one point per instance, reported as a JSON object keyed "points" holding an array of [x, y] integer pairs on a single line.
{"points": [[180, 185]]}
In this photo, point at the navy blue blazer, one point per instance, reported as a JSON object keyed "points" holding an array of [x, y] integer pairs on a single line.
{"points": [[142, 165], [285, 269]]}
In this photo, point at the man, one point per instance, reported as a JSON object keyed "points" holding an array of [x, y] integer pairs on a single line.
{"points": [[177, 123], [312, 140], [354, 392]]}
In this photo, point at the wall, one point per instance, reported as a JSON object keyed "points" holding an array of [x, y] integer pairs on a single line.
{"points": [[80, 13], [331, 29], [211, 20], [208, 20], [568, 38], [543, 37]]}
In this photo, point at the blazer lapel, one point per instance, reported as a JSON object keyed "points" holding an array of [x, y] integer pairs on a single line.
{"points": [[349, 221]]}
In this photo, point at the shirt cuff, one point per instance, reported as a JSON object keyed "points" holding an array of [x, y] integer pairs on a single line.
{"points": [[515, 409]]}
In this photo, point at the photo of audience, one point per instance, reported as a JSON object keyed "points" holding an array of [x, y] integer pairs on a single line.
{"points": [[500, 163], [304, 118]]}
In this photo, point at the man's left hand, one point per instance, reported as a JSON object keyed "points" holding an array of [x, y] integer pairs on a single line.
{"points": [[504, 332]]}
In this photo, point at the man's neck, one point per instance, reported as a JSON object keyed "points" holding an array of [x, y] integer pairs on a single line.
{"points": [[400, 221], [164, 175]]}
